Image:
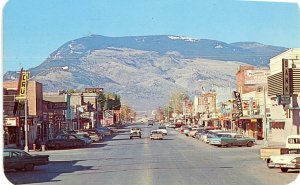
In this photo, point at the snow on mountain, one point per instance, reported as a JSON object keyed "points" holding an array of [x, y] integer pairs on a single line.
{"points": [[145, 70]]}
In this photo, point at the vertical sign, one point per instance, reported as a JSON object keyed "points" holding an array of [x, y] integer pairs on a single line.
{"points": [[22, 86], [238, 103], [285, 77], [251, 107]]}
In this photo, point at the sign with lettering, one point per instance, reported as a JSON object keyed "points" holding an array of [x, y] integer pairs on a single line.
{"points": [[93, 90], [22, 86], [238, 103], [10, 122], [285, 77], [57, 105], [59, 118]]}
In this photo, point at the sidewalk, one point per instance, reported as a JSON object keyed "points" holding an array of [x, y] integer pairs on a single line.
{"points": [[261, 144]]}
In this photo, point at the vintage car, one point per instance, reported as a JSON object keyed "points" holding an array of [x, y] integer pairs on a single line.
{"points": [[21, 160], [156, 134], [135, 132], [285, 162], [232, 139], [85, 137], [163, 129], [65, 141], [192, 133]]}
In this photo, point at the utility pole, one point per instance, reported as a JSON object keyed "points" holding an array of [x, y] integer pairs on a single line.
{"points": [[265, 119]]}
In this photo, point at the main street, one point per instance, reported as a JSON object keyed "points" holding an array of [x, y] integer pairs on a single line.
{"points": [[175, 160]]}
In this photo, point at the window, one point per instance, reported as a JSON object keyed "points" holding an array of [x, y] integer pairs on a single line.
{"points": [[72, 137], [6, 154]]}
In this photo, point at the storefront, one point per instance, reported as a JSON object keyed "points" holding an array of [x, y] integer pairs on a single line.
{"points": [[11, 132], [251, 127]]}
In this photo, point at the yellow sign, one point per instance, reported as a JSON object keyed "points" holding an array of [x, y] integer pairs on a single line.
{"points": [[22, 86]]}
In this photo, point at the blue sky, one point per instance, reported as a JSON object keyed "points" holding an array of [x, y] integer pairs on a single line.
{"points": [[32, 29]]}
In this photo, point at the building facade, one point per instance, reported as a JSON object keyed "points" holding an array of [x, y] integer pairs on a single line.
{"points": [[284, 92]]}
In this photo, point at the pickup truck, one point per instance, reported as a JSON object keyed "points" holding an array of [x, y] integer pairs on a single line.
{"points": [[232, 139], [292, 146]]}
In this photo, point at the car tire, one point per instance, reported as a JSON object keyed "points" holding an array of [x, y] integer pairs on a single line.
{"points": [[249, 144], [228, 145], [29, 167], [284, 170]]}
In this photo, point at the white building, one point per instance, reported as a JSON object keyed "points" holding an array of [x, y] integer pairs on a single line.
{"points": [[284, 121]]}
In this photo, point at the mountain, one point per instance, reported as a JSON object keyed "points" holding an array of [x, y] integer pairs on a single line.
{"points": [[145, 70]]}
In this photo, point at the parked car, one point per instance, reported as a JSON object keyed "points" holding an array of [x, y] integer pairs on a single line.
{"points": [[135, 132], [192, 133], [163, 129], [156, 134], [208, 134], [107, 131], [285, 162], [85, 137], [65, 141], [95, 135], [218, 142], [234, 140], [19, 160]]}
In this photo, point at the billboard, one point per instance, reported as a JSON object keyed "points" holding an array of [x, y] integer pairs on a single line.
{"points": [[258, 76]]}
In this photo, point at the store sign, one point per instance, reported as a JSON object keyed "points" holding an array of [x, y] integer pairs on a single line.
{"points": [[247, 104], [238, 103], [93, 90], [22, 86], [254, 77], [59, 118], [283, 100], [285, 77], [57, 105], [10, 122]]}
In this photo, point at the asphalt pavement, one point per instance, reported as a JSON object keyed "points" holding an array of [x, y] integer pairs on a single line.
{"points": [[176, 160]]}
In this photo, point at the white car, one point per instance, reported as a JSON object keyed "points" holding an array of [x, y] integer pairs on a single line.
{"points": [[156, 134], [285, 162], [163, 129], [85, 137]]}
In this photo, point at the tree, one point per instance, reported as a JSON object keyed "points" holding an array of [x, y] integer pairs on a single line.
{"points": [[176, 101]]}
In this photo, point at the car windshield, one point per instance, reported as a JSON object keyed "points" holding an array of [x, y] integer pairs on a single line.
{"points": [[85, 82]]}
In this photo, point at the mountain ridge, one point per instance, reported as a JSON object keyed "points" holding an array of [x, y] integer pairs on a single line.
{"points": [[144, 67]]}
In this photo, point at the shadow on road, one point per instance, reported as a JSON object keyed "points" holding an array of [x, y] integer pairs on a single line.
{"points": [[45, 173]]}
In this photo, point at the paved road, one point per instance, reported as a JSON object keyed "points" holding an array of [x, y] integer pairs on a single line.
{"points": [[176, 160]]}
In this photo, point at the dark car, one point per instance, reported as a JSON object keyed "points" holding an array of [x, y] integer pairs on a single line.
{"points": [[65, 141], [19, 160]]}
